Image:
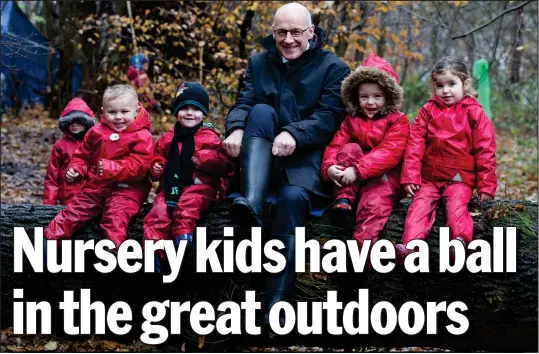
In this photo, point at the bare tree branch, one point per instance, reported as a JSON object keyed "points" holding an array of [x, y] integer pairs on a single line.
{"points": [[492, 20], [402, 8]]}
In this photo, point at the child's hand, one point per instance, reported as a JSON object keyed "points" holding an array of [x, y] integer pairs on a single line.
{"points": [[349, 176], [483, 197], [71, 175], [335, 173], [195, 160], [100, 168], [411, 188], [157, 169]]}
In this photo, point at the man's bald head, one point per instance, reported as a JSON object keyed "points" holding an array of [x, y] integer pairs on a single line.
{"points": [[293, 9]]}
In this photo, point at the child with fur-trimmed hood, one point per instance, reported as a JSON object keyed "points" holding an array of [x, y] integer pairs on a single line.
{"points": [[364, 158], [76, 119]]}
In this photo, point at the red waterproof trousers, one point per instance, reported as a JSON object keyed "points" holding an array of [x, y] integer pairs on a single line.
{"points": [[193, 201], [117, 204], [422, 211], [377, 195]]}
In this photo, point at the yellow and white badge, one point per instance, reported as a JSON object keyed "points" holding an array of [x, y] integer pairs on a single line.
{"points": [[114, 136]]}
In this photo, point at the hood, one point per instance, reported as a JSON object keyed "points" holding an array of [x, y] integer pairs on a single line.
{"points": [[142, 121], [76, 111], [132, 73], [466, 101], [373, 69], [319, 37]]}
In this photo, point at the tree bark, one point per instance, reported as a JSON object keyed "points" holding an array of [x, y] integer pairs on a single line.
{"points": [[502, 308]]}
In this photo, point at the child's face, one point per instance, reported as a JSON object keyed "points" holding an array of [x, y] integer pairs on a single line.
{"points": [[76, 127], [120, 112], [371, 98], [449, 88], [189, 116]]}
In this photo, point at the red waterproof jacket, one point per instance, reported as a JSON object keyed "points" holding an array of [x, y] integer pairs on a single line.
{"points": [[126, 156], [383, 137], [455, 143], [56, 189], [216, 167]]}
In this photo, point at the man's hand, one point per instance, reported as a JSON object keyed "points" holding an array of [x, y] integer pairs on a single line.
{"points": [[100, 168], [232, 144], [483, 197], [411, 188], [157, 169], [71, 175], [284, 144], [349, 176], [335, 174]]}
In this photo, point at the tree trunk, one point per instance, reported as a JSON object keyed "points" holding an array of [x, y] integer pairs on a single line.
{"points": [[502, 308], [516, 60]]}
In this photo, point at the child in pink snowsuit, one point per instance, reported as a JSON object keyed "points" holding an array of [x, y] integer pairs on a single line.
{"points": [[451, 151], [115, 156], [74, 122], [363, 159]]}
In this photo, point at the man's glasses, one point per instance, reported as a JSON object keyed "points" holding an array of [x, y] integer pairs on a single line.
{"points": [[296, 32]]}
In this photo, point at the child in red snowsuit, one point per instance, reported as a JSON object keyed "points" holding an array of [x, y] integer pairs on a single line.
{"points": [[74, 122], [363, 159], [192, 166], [138, 76], [115, 157], [451, 150]]}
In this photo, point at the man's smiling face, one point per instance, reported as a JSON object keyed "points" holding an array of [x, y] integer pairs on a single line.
{"points": [[291, 47]]}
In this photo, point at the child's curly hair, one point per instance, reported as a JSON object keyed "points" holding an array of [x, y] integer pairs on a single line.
{"points": [[456, 67]]}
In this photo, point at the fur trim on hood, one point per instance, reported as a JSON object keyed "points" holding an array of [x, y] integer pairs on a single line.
{"points": [[373, 69], [76, 111]]}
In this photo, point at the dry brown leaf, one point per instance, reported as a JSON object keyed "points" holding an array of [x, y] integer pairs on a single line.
{"points": [[201, 340], [110, 345]]}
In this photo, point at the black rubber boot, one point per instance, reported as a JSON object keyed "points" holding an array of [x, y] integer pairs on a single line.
{"points": [[256, 166], [279, 286]]}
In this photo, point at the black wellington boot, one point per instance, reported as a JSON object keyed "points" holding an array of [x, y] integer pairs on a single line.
{"points": [[279, 286], [256, 162]]}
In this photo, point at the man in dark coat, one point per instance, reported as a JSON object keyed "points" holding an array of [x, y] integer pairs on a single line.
{"points": [[286, 114]]}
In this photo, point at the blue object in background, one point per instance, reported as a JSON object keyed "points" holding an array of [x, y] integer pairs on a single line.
{"points": [[76, 78], [138, 61], [26, 74]]}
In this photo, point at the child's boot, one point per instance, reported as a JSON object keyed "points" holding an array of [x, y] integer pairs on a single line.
{"points": [[189, 250], [342, 210], [401, 252], [45, 252], [157, 264], [452, 249]]}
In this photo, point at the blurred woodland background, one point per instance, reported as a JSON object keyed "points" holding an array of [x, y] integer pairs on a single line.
{"points": [[210, 42]]}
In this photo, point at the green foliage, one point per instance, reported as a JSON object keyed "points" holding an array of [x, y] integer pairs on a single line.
{"points": [[416, 93], [514, 107]]}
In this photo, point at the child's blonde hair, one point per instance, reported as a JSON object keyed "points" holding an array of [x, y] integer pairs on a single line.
{"points": [[115, 91], [456, 67]]}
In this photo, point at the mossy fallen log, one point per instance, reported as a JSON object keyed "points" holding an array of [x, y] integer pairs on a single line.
{"points": [[502, 308]]}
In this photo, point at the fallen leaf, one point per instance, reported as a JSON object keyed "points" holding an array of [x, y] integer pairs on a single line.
{"points": [[519, 207], [50, 346], [15, 349], [201, 340], [110, 345]]}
